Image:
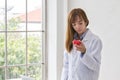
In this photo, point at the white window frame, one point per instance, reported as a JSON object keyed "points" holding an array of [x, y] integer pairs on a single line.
{"points": [[44, 41]]}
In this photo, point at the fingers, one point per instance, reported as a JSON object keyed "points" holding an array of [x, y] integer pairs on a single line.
{"points": [[80, 47]]}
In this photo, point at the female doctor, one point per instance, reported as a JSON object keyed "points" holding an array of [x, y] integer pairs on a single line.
{"points": [[81, 61]]}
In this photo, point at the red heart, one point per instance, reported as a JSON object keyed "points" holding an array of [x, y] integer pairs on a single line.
{"points": [[77, 42]]}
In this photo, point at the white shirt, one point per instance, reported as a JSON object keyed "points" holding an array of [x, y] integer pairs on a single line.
{"points": [[86, 67]]}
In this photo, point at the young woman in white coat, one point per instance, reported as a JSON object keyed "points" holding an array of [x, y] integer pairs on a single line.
{"points": [[81, 61]]}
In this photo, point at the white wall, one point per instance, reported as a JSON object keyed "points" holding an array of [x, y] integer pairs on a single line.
{"points": [[56, 13], [104, 16]]}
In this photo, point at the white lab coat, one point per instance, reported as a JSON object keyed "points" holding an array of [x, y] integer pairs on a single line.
{"points": [[86, 67]]}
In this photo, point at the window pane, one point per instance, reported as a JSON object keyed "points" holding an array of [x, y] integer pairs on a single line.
{"points": [[15, 72], [35, 72], [16, 48], [16, 10], [2, 15], [35, 26], [2, 74], [2, 49], [34, 47], [34, 15]]}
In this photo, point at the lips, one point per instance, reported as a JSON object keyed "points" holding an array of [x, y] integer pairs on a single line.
{"points": [[77, 42]]}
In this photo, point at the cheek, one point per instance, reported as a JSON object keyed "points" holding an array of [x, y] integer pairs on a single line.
{"points": [[75, 28]]}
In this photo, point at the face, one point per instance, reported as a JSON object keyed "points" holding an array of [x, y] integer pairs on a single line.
{"points": [[79, 25]]}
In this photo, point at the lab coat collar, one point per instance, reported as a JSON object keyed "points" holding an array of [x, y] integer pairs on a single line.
{"points": [[87, 36]]}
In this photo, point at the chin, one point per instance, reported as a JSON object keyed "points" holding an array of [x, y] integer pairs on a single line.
{"points": [[79, 33]]}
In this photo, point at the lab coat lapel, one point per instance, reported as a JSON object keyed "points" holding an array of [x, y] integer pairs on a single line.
{"points": [[87, 36]]}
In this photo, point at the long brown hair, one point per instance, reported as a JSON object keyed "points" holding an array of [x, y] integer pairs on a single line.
{"points": [[70, 31]]}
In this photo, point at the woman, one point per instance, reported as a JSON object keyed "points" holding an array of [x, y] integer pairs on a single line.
{"points": [[81, 61]]}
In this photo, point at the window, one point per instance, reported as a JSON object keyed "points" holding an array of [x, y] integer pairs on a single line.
{"points": [[21, 39]]}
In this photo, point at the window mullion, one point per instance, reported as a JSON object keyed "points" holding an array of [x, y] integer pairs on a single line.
{"points": [[26, 39], [6, 40]]}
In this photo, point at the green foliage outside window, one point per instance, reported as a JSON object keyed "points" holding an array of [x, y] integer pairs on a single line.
{"points": [[16, 52]]}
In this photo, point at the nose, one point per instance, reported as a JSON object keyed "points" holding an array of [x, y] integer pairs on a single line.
{"points": [[77, 26]]}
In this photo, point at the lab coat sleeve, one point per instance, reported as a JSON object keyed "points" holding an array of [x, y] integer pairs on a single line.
{"points": [[92, 56], [64, 75]]}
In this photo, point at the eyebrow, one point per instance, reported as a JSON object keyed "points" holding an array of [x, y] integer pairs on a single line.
{"points": [[77, 21]]}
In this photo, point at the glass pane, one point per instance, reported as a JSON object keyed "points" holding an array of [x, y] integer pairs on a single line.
{"points": [[34, 15], [16, 43], [34, 47], [2, 15], [15, 72], [2, 74], [2, 49], [34, 26], [35, 72], [16, 11]]}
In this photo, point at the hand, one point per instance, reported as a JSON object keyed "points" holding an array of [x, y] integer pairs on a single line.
{"points": [[80, 47]]}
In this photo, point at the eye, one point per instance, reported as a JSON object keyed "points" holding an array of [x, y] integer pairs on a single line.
{"points": [[80, 23], [73, 24]]}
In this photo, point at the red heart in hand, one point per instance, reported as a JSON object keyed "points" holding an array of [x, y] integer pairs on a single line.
{"points": [[77, 42]]}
